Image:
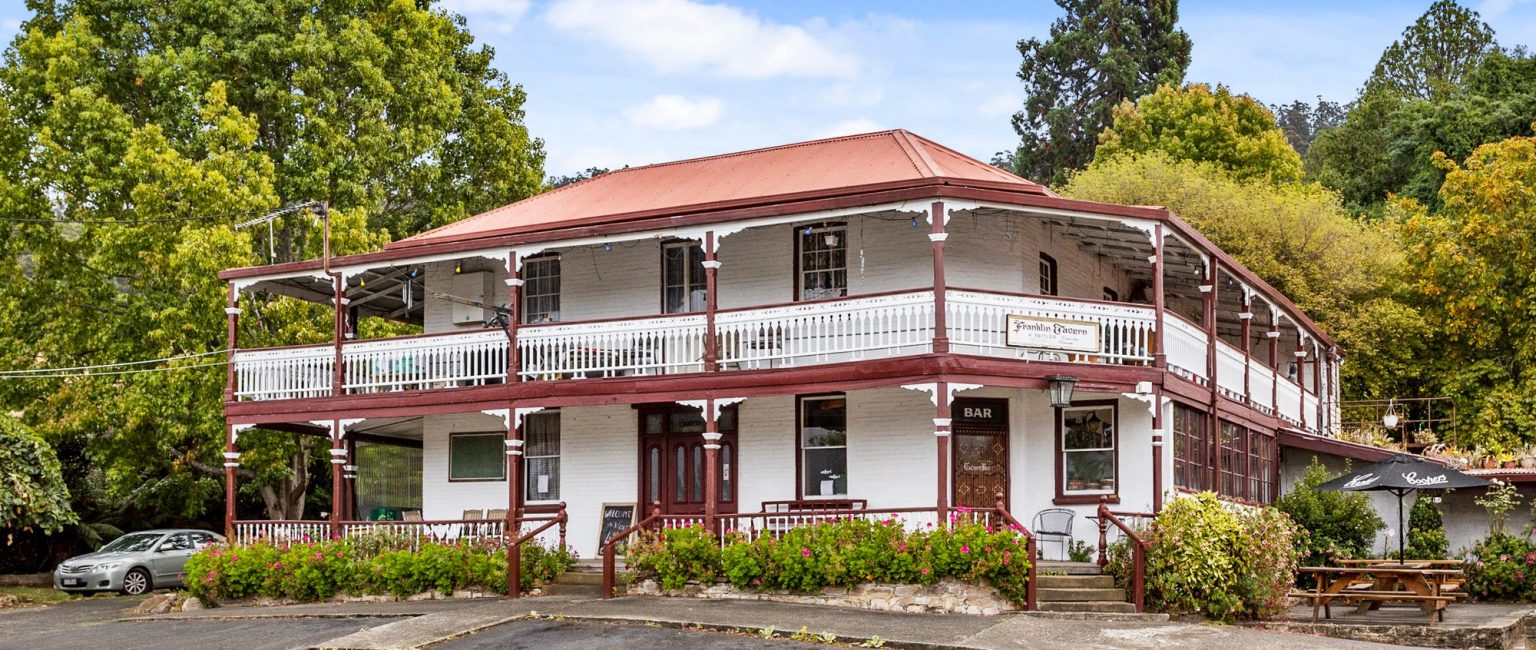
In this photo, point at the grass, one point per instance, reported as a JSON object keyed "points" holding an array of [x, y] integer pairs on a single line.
{"points": [[36, 595]]}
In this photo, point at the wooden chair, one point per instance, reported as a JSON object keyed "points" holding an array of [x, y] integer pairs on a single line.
{"points": [[496, 514], [412, 515], [473, 515]]}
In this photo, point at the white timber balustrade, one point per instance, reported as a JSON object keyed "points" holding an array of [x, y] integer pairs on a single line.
{"points": [[978, 323], [1288, 401], [282, 533], [1261, 387], [826, 331], [646, 346], [284, 373], [1186, 344], [420, 362], [1230, 366], [1313, 419]]}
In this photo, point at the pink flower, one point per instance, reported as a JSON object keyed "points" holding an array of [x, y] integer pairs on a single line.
{"points": [[964, 549], [925, 570], [805, 552], [902, 547]]}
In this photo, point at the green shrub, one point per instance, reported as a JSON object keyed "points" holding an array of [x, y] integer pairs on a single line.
{"points": [[1426, 531], [838, 553], [1502, 567], [368, 564], [1339, 525], [1224, 561]]}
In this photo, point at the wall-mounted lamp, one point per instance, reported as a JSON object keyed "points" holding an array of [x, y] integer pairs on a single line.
{"points": [[1061, 390]]}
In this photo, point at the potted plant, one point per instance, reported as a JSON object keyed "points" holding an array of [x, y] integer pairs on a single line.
{"points": [[1528, 457], [1507, 460], [1425, 437]]}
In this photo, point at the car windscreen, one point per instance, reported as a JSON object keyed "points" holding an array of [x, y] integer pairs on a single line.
{"points": [[133, 543]]}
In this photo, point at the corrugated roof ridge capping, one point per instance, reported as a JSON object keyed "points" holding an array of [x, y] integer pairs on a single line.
{"points": [[920, 160]]}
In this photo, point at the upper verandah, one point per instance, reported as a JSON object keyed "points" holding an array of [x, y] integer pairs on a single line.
{"points": [[845, 173]]}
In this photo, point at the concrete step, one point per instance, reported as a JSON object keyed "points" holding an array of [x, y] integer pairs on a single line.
{"points": [[593, 591], [1080, 595], [1069, 568], [1097, 607], [579, 578], [1075, 582]]}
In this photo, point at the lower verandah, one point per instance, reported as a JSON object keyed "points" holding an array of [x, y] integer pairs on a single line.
{"points": [[887, 459]]}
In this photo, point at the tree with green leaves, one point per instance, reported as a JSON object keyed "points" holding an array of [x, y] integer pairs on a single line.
{"points": [[1234, 132], [32, 491], [1101, 53], [1303, 122], [1340, 525], [1471, 264], [1298, 237], [134, 135], [1434, 55]]}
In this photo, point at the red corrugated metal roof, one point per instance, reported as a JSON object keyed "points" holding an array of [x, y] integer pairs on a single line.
{"points": [[819, 167]]}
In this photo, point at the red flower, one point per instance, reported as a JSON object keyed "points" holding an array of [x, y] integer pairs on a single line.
{"points": [[805, 552]]}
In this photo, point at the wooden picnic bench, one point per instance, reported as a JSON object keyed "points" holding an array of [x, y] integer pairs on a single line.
{"points": [[1368, 585]]}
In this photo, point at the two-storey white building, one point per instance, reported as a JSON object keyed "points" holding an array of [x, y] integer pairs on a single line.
{"points": [[864, 322]]}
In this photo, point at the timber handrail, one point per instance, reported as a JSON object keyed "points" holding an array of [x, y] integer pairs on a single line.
{"points": [[514, 550], [610, 562], [1030, 549], [1138, 550]]}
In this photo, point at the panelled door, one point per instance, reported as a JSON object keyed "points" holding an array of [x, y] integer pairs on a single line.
{"points": [[979, 431], [672, 459]]}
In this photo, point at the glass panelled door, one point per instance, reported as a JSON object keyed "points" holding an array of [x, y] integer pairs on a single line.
{"points": [[672, 465], [980, 451]]}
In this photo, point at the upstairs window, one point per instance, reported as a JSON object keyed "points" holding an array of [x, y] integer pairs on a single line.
{"points": [[1048, 286], [682, 277], [541, 289], [821, 251]]}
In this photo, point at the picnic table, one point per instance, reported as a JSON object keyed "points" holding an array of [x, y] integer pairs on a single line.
{"points": [[1368, 584]]}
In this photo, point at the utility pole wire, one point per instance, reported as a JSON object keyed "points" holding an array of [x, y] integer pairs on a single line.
{"points": [[103, 366]]}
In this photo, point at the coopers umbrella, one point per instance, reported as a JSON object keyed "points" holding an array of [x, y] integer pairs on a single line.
{"points": [[1399, 475]]}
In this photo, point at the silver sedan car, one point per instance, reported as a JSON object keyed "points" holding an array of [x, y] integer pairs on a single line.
{"points": [[134, 563]]}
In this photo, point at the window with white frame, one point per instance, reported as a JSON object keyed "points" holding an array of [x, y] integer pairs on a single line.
{"points": [[822, 253], [541, 456], [541, 289], [1088, 449], [824, 446], [682, 277]]}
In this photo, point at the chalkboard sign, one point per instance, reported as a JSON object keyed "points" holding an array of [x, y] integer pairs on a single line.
{"points": [[616, 518]]}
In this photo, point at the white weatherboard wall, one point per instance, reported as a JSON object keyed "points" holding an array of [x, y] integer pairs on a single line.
{"points": [[599, 448], [1034, 463]]}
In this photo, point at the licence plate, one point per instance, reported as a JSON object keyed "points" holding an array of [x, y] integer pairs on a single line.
{"points": [[72, 582]]}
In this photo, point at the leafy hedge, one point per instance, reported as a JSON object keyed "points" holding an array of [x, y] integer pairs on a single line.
{"points": [[1502, 567], [1340, 525], [372, 565], [839, 553], [1224, 561]]}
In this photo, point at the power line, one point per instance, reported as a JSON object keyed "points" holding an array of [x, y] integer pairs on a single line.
{"points": [[140, 222], [114, 365], [117, 372]]}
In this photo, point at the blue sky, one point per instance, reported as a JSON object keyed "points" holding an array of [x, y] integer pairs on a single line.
{"points": [[615, 82]]}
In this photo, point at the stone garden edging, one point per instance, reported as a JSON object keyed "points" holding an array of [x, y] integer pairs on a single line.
{"points": [[945, 597]]}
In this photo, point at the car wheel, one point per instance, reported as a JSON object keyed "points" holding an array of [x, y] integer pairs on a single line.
{"points": [[136, 582]]}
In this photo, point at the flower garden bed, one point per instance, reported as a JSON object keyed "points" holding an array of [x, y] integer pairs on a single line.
{"points": [[964, 567], [378, 566]]}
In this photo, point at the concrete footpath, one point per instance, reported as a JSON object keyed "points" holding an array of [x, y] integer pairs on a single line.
{"points": [[415, 625]]}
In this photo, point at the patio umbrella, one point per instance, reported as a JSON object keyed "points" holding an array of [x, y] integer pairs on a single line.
{"points": [[1399, 475]]}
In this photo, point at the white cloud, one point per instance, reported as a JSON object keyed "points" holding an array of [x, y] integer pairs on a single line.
{"points": [[499, 16], [676, 113], [681, 36], [848, 127]]}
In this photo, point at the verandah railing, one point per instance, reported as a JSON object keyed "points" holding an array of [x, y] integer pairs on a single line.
{"points": [[1138, 548], [285, 533], [977, 323]]}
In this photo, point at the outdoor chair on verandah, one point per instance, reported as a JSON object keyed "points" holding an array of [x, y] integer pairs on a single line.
{"points": [[1054, 525]]}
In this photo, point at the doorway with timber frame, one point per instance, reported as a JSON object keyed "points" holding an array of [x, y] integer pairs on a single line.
{"points": [[672, 457], [979, 439]]}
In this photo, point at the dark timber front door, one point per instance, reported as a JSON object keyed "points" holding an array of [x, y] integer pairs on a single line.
{"points": [[980, 433], [672, 458]]}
